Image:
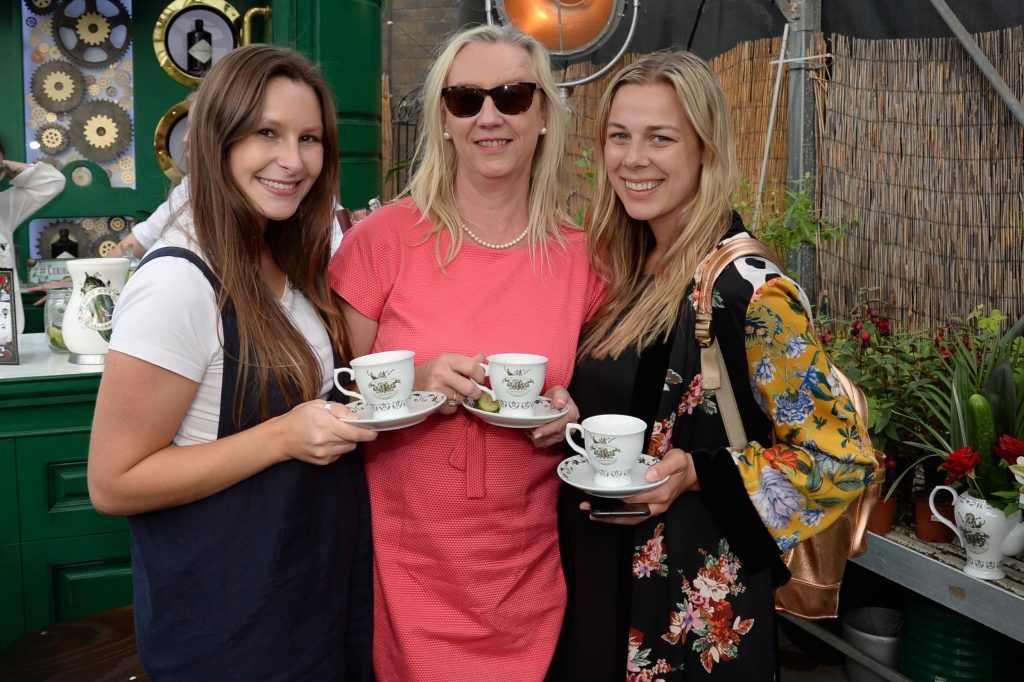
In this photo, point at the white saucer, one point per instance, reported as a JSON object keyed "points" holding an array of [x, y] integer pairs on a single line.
{"points": [[421, 405], [577, 472], [543, 413]]}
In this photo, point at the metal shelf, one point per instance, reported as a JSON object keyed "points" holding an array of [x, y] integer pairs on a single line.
{"points": [[934, 570]]}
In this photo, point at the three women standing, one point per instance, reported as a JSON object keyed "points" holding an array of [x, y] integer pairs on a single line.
{"points": [[688, 593]]}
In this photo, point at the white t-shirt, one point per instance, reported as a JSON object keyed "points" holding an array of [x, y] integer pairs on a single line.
{"points": [[167, 315], [29, 191]]}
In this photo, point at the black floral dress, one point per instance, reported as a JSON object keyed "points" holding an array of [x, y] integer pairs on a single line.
{"points": [[689, 594]]}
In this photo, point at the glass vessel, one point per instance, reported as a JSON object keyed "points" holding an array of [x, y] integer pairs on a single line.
{"points": [[53, 315]]}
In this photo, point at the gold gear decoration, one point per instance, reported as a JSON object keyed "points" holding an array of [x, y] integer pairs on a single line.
{"points": [[40, 7], [101, 130], [92, 28], [52, 138], [58, 86], [117, 224]]}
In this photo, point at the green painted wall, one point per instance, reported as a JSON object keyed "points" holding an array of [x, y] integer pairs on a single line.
{"points": [[342, 36]]}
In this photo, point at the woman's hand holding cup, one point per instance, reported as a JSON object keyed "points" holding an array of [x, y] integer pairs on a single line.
{"points": [[313, 434], [554, 432], [454, 375], [678, 466]]}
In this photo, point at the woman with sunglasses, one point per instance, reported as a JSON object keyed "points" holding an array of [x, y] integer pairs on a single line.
{"points": [[479, 259], [688, 593]]}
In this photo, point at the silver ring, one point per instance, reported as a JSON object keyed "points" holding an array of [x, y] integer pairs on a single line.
{"points": [[328, 405]]}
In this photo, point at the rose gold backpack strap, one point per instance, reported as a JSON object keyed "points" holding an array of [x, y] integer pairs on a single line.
{"points": [[713, 266], [714, 375]]}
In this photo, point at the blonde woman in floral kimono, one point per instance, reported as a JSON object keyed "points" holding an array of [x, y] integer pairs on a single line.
{"points": [[687, 593]]}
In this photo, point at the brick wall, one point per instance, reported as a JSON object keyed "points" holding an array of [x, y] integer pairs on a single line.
{"points": [[410, 41]]}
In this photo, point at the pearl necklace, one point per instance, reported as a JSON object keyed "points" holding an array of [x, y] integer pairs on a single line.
{"points": [[489, 245]]}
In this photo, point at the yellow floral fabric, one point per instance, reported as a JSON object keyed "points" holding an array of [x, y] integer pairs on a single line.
{"points": [[822, 458]]}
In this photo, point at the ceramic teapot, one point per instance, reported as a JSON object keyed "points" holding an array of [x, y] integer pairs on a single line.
{"points": [[985, 532]]}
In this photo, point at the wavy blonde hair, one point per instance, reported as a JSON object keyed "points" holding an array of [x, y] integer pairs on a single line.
{"points": [[635, 315], [432, 186]]}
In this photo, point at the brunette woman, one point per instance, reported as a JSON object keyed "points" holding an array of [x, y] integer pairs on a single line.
{"points": [[687, 594], [247, 505]]}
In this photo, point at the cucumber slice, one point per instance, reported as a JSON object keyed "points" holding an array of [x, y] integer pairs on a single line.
{"points": [[487, 403]]}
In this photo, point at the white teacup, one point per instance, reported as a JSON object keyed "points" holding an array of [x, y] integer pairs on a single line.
{"points": [[613, 442], [516, 381], [384, 379]]}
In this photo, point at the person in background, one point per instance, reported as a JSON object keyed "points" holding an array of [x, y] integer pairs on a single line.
{"points": [[32, 186], [688, 593], [479, 259], [246, 501]]}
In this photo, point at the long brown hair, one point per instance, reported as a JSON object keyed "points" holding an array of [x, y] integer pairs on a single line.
{"points": [[634, 315], [232, 234]]}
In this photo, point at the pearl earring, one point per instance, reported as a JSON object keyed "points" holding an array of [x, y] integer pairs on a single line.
{"points": [[445, 135], [543, 131]]}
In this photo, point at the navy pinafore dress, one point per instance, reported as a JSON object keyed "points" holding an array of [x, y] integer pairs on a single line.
{"points": [[269, 579]]}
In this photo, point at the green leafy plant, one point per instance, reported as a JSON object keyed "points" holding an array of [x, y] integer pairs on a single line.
{"points": [[978, 403], [787, 220]]}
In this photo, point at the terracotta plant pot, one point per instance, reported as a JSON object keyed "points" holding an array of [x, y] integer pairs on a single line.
{"points": [[882, 516], [925, 527]]}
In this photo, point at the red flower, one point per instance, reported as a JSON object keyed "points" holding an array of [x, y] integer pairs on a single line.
{"points": [[960, 463], [1010, 448]]}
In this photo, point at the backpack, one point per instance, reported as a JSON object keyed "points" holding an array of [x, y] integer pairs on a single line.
{"points": [[816, 564]]}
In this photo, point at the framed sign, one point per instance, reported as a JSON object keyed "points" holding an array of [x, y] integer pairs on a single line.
{"points": [[8, 319], [191, 35]]}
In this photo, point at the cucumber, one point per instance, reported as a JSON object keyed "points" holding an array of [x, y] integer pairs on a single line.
{"points": [[487, 403], [984, 426]]}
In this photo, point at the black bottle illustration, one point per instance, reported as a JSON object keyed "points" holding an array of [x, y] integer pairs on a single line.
{"points": [[200, 50], [64, 245]]}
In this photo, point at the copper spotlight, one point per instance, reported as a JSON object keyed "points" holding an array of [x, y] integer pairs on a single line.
{"points": [[585, 24]]}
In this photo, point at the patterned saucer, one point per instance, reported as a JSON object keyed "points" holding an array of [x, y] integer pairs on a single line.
{"points": [[543, 412], [577, 472], [421, 405]]}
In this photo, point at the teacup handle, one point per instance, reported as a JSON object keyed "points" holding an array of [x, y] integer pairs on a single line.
{"points": [[939, 517], [487, 373], [351, 394], [569, 428]]}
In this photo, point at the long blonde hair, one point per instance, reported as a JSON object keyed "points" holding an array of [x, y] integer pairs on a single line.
{"points": [[432, 186], [631, 317], [232, 235]]}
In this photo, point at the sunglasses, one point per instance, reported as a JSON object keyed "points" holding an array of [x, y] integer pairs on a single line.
{"points": [[510, 99]]}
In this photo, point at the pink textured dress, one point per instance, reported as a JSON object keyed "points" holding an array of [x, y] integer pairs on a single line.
{"points": [[467, 577]]}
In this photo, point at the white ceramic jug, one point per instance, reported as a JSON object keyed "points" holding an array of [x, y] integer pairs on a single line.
{"points": [[96, 284], [985, 532]]}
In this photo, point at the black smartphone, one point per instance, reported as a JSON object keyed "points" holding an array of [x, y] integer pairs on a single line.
{"points": [[606, 508]]}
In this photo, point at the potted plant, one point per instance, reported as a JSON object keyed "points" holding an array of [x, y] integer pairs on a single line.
{"points": [[892, 366], [980, 404]]}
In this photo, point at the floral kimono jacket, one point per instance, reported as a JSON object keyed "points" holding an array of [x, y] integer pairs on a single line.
{"points": [[689, 594]]}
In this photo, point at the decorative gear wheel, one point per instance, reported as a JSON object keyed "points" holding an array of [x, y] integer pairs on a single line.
{"points": [[51, 233], [40, 7], [90, 38], [117, 224], [101, 130], [92, 28], [58, 86], [103, 242], [52, 138]]}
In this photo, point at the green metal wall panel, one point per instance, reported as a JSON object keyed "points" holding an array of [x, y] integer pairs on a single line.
{"points": [[54, 499], [75, 577], [343, 37], [12, 603], [9, 527]]}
